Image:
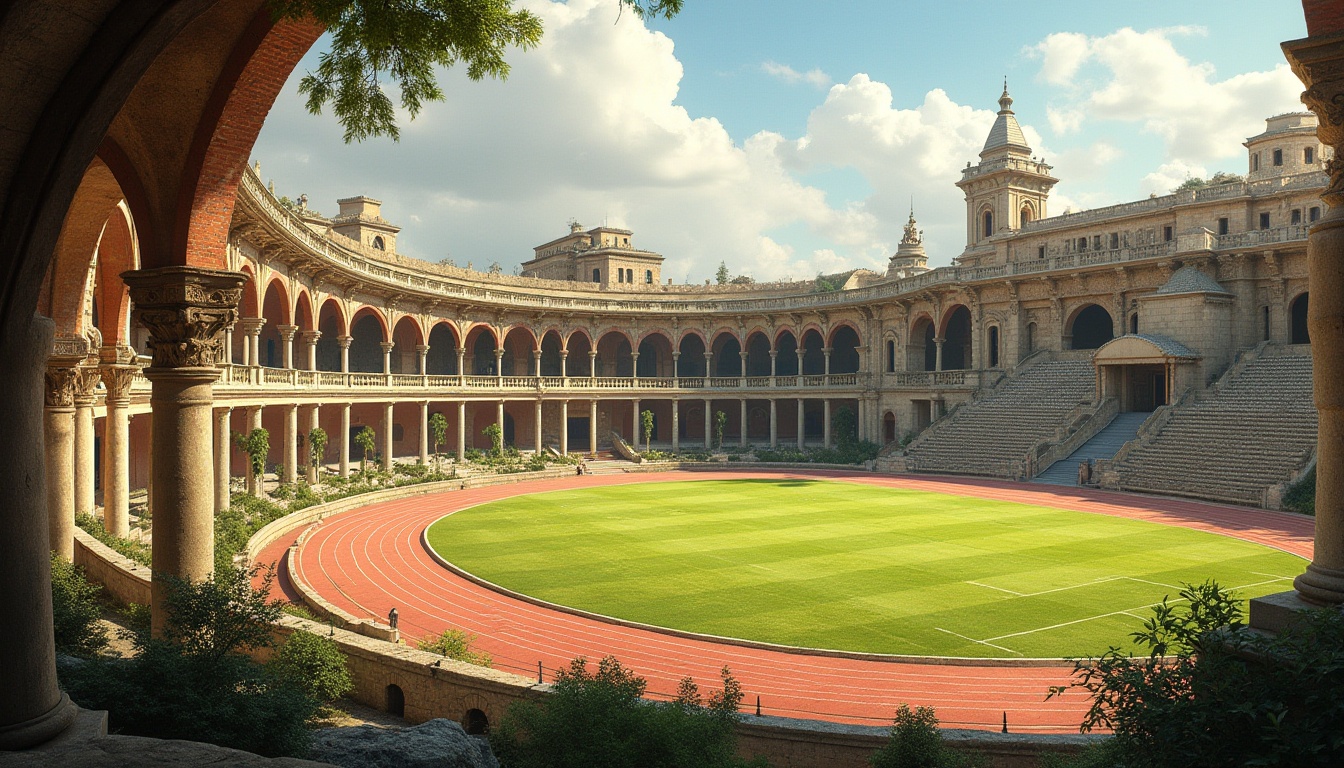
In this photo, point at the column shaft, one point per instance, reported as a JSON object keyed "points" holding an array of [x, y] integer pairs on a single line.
{"points": [[742, 421], [85, 469], [343, 441], [60, 451], [387, 437], [314, 420], [800, 424], [461, 430], [709, 417], [537, 442], [774, 423], [592, 427], [676, 426], [116, 451], [826, 423], [564, 424], [222, 458], [424, 432], [291, 443]]}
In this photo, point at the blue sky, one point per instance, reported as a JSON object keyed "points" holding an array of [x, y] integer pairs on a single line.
{"points": [[787, 138]]}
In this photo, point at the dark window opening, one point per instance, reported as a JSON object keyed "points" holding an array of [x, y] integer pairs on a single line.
{"points": [[396, 701], [1265, 312], [993, 346], [1091, 328], [378, 243], [1082, 243], [648, 276], [1222, 226], [1166, 234], [1040, 252], [1314, 213], [597, 275], [1255, 162], [1026, 217], [1278, 157], [1264, 221], [475, 723], [1296, 217], [1115, 240], [1301, 334], [988, 224], [1134, 323], [891, 356], [1309, 155]]}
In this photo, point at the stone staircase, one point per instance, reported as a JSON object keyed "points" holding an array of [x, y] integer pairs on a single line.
{"points": [[1103, 445], [1251, 431], [993, 435]]}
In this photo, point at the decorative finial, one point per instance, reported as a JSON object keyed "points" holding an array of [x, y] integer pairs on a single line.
{"points": [[1005, 101], [913, 236]]}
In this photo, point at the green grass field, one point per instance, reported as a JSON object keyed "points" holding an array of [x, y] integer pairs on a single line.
{"points": [[847, 566]]}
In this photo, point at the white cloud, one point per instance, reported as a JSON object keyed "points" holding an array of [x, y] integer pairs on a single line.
{"points": [[1141, 78], [814, 77], [1169, 175]]}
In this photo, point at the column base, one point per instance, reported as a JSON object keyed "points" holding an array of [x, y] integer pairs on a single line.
{"points": [[1324, 586], [1279, 611], [40, 729]]}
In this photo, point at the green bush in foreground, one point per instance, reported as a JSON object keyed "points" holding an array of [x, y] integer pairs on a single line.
{"points": [[195, 683], [917, 743], [455, 644], [1301, 495], [1209, 693], [599, 719], [75, 610], [314, 664]]}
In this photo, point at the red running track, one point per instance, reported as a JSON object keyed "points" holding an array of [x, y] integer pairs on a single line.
{"points": [[371, 559]]}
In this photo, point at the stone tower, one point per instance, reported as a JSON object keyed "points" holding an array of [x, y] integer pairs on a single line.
{"points": [[910, 258], [1009, 187]]}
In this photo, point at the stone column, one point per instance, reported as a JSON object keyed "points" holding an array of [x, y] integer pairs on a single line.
{"points": [[344, 343], [709, 425], [938, 353], [287, 339], [826, 358], [800, 353], [461, 361], [564, 363], [742, 421], [85, 468], [592, 427], [387, 437], [536, 363], [676, 425], [343, 441], [635, 425], [592, 366], [774, 365], [424, 430], [62, 384], [564, 423], [421, 354], [499, 419], [499, 369], [826, 423], [774, 423], [461, 430], [312, 422], [1319, 63], [290, 443], [221, 459], [32, 707], [387, 356], [709, 367], [537, 431], [800, 424], [254, 482], [228, 347], [251, 328], [185, 309], [634, 365], [676, 366], [309, 339], [117, 380]]}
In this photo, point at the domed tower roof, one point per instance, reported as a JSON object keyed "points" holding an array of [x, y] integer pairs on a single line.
{"points": [[910, 257], [1006, 133]]}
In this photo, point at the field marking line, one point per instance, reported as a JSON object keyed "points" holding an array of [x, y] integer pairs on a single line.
{"points": [[981, 642], [1272, 576], [1001, 589], [1154, 583], [1101, 580]]}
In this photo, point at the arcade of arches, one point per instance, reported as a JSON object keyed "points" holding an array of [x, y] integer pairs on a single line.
{"points": [[126, 229]]}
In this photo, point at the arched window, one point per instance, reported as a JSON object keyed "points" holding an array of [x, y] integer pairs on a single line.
{"points": [[648, 277], [1300, 333], [891, 355], [994, 346], [597, 275], [988, 224], [378, 243], [1031, 337], [1134, 323], [1025, 217], [396, 701]]}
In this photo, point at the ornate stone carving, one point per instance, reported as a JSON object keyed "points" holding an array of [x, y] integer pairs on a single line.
{"points": [[62, 383], [86, 384], [185, 310], [117, 380], [69, 346], [1316, 62]]}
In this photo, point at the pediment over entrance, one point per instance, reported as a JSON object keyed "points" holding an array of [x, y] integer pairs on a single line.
{"points": [[1139, 349]]}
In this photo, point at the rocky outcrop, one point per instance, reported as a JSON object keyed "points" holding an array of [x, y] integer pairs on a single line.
{"points": [[436, 744]]}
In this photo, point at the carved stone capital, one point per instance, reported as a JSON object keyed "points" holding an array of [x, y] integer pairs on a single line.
{"points": [[62, 382], [117, 379], [68, 347], [344, 341], [310, 337], [1319, 64], [185, 310], [252, 325], [86, 385], [286, 332]]}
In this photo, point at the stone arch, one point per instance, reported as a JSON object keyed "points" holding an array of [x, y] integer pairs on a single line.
{"points": [[835, 330], [888, 427], [441, 360], [921, 351], [396, 700], [1089, 327], [691, 362], [520, 343], [277, 308], [475, 722], [890, 349], [1298, 330], [331, 323], [1026, 214], [578, 344], [68, 282], [956, 334], [984, 221], [845, 349], [655, 355], [786, 349], [481, 343], [303, 311], [758, 350], [368, 330], [117, 253], [406, 336], [551, 345], [727, 349], [814, 358], [613, 354]]}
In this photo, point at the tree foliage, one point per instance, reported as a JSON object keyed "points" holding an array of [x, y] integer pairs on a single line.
{"points": [[375, 44], [646, 426], [256, 445], [314, 664], [366, 439], [317, 446], [457, 645], [438, 430], [845, 427], [496, 435], [720, 421], [721, 275], [75, 610], [916, 742], [598, 718], [1210, 693]]}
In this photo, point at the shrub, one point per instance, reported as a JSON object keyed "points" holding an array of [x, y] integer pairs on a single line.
{"points": [[599, 719], [315, 664], [455, 644], [1210, 693], [75, 610], [135, 550], [917, 743], [1301, 495], [496, 435], [194, 683]]}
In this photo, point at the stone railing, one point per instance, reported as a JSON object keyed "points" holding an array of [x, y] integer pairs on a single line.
{"points": [[1083, 426]]}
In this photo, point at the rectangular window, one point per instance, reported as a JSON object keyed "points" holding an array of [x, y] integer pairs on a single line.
{"points": [[1222, 226], [1314, 213], [1278, 157], [1115, 240], [1255, 162], [1040, 252], [1296, 217], [1082, 243], [891, 356], [1309, 155], [1166, 234], [1096, 242], [1264, 220]]}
